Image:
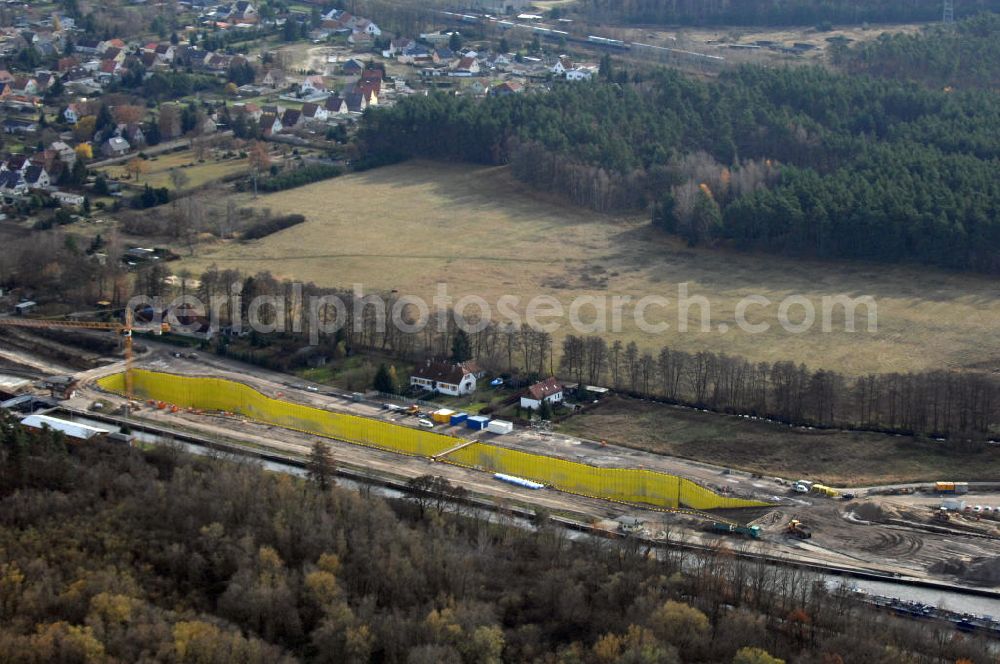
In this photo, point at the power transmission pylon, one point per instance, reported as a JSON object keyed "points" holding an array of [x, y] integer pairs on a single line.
{"points": [[949, 11]]}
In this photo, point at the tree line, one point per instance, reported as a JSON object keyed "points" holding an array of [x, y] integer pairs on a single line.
{"points": [[965, 406], [961, 405], [772, 12], [111, 553], [799, 161]]}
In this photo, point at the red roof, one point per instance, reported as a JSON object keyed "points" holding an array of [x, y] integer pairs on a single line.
{"points": [[544, 389]]}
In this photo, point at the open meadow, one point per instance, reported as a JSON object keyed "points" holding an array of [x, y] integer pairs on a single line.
{"points": [[414, 225], [843, 458]]}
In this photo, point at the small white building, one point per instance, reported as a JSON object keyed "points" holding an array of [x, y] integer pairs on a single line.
{"points": [[547, 390], [454, 379]]}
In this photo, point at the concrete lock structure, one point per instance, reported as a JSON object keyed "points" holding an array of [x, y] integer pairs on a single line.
{"points": [[629, 485]]}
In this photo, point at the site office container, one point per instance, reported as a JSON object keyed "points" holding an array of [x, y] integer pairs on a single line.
{"points": [[825, 490], [459, 418], [442, 416], [944, 487], [477, 422], [500, 426]]}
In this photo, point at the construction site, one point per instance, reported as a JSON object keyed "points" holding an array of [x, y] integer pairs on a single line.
{"points": [[941, 535]]}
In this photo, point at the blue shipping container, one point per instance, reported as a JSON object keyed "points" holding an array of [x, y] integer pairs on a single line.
{"points": [[478, 422], [458, 418]]}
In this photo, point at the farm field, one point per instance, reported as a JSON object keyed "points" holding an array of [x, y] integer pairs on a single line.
{"points": [[481, 232], [835, 457], [160, 166]]}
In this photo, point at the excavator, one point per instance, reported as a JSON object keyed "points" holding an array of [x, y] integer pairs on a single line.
{"points": [[796, 528], [123, 329]]}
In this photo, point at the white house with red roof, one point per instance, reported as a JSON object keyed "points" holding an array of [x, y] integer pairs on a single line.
{"points": [[547, 390]]}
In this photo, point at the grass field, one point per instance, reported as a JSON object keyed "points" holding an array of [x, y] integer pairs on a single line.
{"points": [[836, 457], [414, 225], [160, 166]]}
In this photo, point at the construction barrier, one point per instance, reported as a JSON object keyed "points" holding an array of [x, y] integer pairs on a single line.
{"points": [[628, 485], [229, 396]]}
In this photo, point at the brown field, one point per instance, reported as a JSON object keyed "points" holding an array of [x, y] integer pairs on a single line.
{"points": [[837, 457], [411, 226]]}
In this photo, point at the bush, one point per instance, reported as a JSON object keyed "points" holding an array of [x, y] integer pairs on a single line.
{"points": [[273, 225], [300, 176]]}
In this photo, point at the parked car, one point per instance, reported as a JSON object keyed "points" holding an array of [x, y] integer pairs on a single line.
{"points": [[312, 388], [427, 424]]}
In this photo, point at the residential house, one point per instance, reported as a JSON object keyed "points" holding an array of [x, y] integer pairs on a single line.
{"points": [[454, 379], [5, 90], [506, 88], [164, 52], [12, 184], [371, 75], [314, 112], [17, 163], [361, 41], [467, 66], [397, 46], [243, 12], [64, 152], [25, 85], [73, 113], [353, 67], [116, 146], [547, 390], [445, 54], [6, 76], [562, 65], [312, 85], [249, 109], [335, 105], [273, 78], [367, 27], [291, 119], [580, 74], [36, 177], [270, 124], [116, 55]]}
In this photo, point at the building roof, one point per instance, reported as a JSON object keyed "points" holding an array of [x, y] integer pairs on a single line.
{"points": [[71, 429], [443, 372], [544, 389], [33, 173]]}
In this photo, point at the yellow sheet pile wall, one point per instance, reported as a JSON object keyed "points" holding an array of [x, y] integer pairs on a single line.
{"points": [[630, 485], [226, 395]]}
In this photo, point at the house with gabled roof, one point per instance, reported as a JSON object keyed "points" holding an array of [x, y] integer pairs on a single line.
{"points": [[452, 378], [335, 105], [547, 390], [36, 177], [312, 112]]}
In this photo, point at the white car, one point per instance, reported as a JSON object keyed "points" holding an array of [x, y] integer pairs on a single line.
{"points": [[312, 388], [427, 424]]}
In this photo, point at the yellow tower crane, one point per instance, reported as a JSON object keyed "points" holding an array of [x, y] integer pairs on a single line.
{"points": [[123, 329]]}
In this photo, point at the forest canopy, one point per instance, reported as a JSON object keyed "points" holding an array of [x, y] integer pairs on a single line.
{"points": [[800, 161], [114, 554], [966, 55]]}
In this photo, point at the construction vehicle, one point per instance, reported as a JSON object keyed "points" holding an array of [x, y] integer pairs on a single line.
{"points": [[753, 532], [802, 486], [123, 329], [942, 515], [796, 528]]}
